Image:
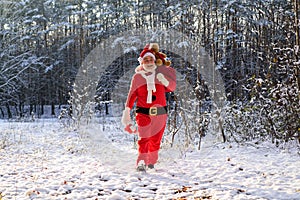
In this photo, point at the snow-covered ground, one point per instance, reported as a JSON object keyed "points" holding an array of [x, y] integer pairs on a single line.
{"points": [[44, 160]]}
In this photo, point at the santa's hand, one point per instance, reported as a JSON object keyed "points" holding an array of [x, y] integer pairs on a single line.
{"points": [[162, 79], [126, 119], [130, 129]]}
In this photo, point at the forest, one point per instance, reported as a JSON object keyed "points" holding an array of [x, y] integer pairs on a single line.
{"points": [[253, 45]]}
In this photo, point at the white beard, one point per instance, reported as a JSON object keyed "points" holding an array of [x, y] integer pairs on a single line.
{"points": [[149, 67]]}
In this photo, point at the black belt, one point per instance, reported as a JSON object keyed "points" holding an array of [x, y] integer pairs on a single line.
{"points": [[153, 111]]}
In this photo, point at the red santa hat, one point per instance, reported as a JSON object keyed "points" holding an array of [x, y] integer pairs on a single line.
{"points": [[152, 49], [147, 51]]}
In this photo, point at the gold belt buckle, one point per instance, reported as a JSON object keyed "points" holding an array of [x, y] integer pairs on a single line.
{"points": [[153, 111]]}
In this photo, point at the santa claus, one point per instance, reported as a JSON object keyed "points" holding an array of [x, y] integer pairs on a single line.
{"points": [[153, 78]]}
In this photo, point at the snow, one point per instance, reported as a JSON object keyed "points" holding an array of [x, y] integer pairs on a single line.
{"points": [[68, 43], [46, 160], [183, 44]]}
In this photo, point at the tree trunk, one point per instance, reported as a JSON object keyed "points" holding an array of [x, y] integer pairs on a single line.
{"points": [[297, 33], [52, 109], [9, 115]]}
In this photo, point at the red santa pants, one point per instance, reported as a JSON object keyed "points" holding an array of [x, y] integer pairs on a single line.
{"points": [[150, 131]]}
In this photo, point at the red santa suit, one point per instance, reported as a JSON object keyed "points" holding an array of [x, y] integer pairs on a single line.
{"points": [[149, 93], [148, 89]]}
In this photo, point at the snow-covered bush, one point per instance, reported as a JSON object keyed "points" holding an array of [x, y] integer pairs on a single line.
{"points": [[273, 113], [187, 122], [9, 137], [278, 104], [242, 122], [4, 140]]}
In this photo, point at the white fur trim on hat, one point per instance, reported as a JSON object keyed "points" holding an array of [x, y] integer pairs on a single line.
{"points": [[140, 59]]}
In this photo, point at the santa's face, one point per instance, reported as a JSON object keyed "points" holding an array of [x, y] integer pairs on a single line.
{"points": [[148, 64]]}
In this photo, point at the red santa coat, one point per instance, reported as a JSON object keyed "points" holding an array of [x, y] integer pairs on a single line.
{"points": [[138, 89], [150, 128]]}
